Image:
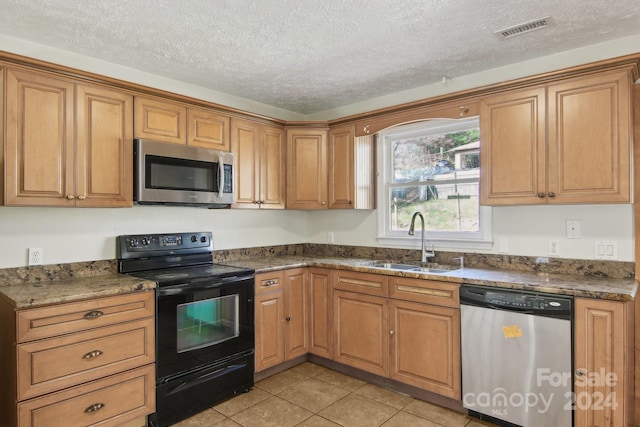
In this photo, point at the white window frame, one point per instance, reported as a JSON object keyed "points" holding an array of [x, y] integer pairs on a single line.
{"points": [[483, 239]]}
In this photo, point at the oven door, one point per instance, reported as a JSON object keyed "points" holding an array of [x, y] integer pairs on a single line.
{"points": [[202, 323]]}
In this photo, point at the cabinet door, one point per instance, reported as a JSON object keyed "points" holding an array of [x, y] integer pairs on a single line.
{"points": [[361, 332], [104, 152], [160, 120], [341, 168], [245, 146], [39, 143], [320, 312], [272, 189], [603, 362], [512, 152], [590, 139], [296, 308], [207, 129], [269, 330], [425, 346], [307, 169]]}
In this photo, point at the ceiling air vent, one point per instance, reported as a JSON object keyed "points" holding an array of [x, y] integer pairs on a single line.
{"points": [[524, 28]]}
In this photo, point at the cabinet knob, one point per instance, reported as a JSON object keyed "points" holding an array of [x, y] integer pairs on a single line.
{"points": [[552, 194], [350, 202], [70, 196], [82, 197], [322, 203], [390, 332], [92, 354], [93, 314], [464, 111], [366, 129], [580, 372], [288, 319], [541, 195], [93, 408]]}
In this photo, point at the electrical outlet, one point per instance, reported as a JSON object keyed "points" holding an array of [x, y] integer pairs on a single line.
{"points": [[35, 256], [573, 229], [554, 248]]}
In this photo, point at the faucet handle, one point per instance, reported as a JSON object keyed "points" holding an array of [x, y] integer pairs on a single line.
{"points": [[461, 259]]}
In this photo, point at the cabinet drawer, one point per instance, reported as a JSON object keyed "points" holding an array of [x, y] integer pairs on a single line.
{"points": [[48, 365], [364, 283], [111, 401], [269, 282], [426, 291], [78, 316]]}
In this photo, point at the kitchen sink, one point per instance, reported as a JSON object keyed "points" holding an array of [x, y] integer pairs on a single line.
{"points": [[435, 269]]}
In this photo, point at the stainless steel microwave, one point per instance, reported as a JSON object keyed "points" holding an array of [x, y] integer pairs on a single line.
{"points": [[173, 174]]}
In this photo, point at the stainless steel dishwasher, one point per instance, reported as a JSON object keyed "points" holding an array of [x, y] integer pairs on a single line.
{"points": [[517, 356]]}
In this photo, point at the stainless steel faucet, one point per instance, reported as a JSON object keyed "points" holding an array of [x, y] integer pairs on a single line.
{"points": [[412, 227]]}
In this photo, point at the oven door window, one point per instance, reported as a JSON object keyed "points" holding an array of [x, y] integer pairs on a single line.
{"points": [[208, 322], [168, 173]]}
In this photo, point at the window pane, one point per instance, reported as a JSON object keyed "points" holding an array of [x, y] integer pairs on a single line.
{"points": [[207, 322], [445, 207]]}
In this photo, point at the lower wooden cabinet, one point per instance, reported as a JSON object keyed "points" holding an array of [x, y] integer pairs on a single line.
{"points": [[81, 363], [425, 346], [281, 313], [321, 312], [361, 331], [603, 363], [107, 402]]}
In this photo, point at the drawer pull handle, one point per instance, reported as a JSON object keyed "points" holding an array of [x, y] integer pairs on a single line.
{"points": [[93, 408], [270, 283], [93, 314], [92, 354]]}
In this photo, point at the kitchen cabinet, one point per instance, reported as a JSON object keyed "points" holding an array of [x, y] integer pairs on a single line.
{"points": [[260, 156], [320, 312], [424, 329], [603, 361], [564, 142], [66, 144], [281, 306], [79, 363], [361, 331], [160, 120], [351, 169], [207, 129], [306, 168]]}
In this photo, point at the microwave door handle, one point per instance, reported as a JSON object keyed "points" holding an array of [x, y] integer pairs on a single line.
{"points": [[221, 176]]}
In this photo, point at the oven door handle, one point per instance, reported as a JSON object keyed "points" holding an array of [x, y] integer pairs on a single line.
{"points": [[193, 287], [206, 377]]}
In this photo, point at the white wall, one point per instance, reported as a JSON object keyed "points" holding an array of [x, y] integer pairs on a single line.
{"points": [[527, 229], [71, 235]]}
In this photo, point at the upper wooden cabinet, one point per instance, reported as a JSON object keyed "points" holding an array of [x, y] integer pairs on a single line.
{"points": [[351, 169], [567, 142], [207, 129], [162, 120], [260, 154], [307, 168], [66, 144]]}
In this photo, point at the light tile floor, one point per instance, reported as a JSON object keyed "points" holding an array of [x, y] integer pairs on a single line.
{"points": [[309, 395]]}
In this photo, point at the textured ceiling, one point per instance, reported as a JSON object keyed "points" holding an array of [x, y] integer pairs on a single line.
{"points": [[312, 55]]}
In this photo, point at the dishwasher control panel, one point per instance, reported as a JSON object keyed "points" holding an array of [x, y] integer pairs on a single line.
{"points": [[506, 299]]}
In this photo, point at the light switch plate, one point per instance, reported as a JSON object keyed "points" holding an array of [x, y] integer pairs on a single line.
{"points": [[606, 249]]}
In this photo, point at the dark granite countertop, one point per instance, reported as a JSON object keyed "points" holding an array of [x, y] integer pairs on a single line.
{"points": [[581, 286], [38, 293]]}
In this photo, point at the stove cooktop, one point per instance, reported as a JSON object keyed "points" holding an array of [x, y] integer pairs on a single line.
{"points": [[177, 275]]}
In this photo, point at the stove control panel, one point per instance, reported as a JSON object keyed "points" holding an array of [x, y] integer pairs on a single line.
{"points": [[138, 245]]}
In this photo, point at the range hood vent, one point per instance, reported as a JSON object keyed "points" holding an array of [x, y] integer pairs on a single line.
{"points": [[524, 28]]}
